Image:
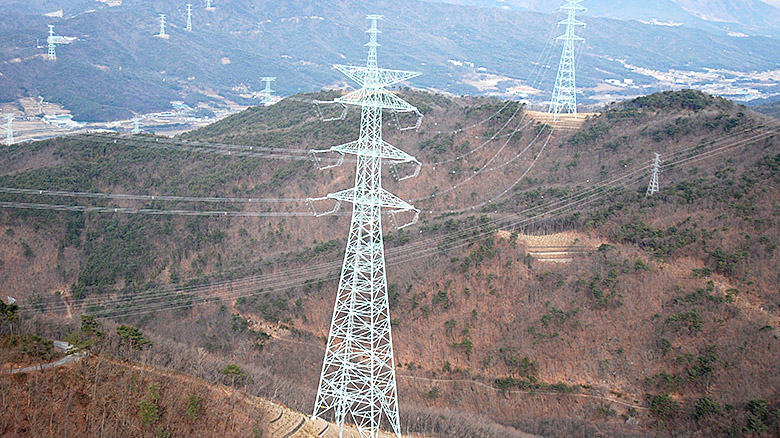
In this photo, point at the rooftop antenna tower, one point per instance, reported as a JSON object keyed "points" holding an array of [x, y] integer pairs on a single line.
{"points": [[189, 17], [564, 98], [209, 6], [162, 33], [9, 130], [654, 187], [52, 45], [358, 379], [268, 92]]}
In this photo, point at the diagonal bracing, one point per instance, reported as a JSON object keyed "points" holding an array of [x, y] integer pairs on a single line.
{"points": [[564, 98], [358, 382]]}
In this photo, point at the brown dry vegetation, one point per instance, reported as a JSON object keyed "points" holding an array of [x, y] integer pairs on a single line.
{"points": [[635, 338]]}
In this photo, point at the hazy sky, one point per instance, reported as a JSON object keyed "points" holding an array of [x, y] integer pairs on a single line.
{"points": [[773, 2]]}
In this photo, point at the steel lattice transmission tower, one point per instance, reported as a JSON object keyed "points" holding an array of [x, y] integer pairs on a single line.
{"points": [[208, 5], [137, 125], [52, 44], [9, 129], [189, 17], [564, 98], [654, 187], [162, 33], [358, 379], [268, 92]]}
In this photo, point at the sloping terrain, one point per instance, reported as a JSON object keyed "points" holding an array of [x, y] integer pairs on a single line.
{"points": [[665, 319], [117, 68]]}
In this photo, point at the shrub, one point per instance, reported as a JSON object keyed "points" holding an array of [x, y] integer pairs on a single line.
{"points": [[663, 406], [705, 407]]}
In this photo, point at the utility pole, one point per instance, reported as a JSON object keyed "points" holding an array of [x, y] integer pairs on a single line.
{"points": [[268, 92], [162, 33], [358, 379], [189, 17], [654, 188], [564, 98], [9, 130], [52, 45]]}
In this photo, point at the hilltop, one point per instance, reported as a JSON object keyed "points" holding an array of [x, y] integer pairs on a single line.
{"points": [[661, 315]]}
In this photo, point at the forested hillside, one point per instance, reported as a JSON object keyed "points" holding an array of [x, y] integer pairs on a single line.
{"points": [[661, 317]]}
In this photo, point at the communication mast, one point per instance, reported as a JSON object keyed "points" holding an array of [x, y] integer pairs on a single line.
{"points": [[52, 45], [268, 92], [654, 187], [162, 33], [564, 98], [9, 130], [358, 379], [189, 17]]}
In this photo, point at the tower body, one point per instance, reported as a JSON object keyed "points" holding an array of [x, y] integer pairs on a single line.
{"points": [[52, 45], [189, 17], [564, 98], [162, 33], [268, 92], [358, 381], [9, 140], [654, 186]]}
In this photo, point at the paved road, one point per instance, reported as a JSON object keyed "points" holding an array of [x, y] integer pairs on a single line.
{"points": [[60, 345]]}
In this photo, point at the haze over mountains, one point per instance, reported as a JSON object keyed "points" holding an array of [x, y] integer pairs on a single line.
{"points": [[118, 68], [754, 17]]}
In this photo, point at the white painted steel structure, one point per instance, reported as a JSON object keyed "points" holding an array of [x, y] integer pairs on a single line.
{"points": [[268, 92], [52, 44], [358, 382], [654, 187], [9, 129], [564, 98], [189, 17], [162, 33]]}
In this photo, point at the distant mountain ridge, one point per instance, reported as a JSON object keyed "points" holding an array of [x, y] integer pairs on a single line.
{"points": [[117, 67], [753, 16]]}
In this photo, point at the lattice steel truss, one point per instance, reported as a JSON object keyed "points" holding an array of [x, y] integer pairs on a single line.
{"points": [[564, 98], [654, 187], [52, 44], [162, 33], [189, 17], [9, 139], [358, 379], [268, 92]]}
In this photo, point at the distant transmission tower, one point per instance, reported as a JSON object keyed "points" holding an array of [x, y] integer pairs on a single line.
{"points": [[208, 5], [137, 125], [189, 17], [654, 188], [358, 373], [268, 92], [564, 98], [52, 45], [9, 140], [162, 33]]}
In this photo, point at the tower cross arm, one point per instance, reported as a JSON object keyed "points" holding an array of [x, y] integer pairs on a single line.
{"points": [[388, 151], [376, 98], [378, 77], [383, 199]]}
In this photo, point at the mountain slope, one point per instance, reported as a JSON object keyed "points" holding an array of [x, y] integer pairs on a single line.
{"points": [[667, 304], [117, 67]]}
